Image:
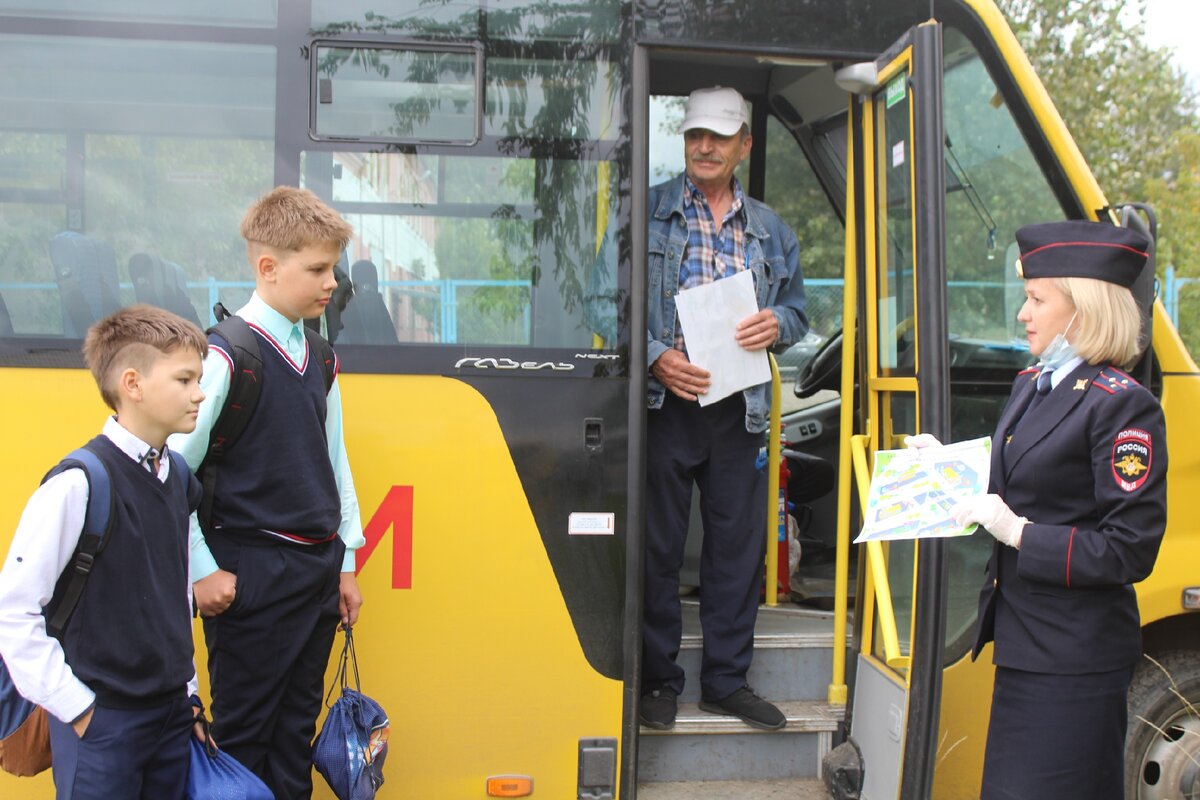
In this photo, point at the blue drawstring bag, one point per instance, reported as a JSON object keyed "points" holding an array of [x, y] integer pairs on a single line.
{"points": [[216, 775], [352, 745]]}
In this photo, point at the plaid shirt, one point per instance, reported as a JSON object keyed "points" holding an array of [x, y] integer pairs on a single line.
{"points": [[712, 253]]}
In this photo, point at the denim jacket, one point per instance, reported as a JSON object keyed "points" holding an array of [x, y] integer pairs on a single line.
{"points": [[774, 256]]}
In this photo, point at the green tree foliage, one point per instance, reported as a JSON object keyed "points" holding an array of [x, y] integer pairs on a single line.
{"points": [[1130, 110]]}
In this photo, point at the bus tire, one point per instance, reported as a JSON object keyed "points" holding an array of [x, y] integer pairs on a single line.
{"points": [[1162, 742]]}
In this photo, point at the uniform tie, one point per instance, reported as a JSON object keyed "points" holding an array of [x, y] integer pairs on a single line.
{"points": [[151, 459], [1042, 389]]}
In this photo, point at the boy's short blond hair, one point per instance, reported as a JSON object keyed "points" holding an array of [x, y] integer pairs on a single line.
{"points": [[135, 337], [290, 219], [1110, 323]]}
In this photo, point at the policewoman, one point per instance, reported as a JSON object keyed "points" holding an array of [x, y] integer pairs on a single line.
{"points": [[1077, 506]]}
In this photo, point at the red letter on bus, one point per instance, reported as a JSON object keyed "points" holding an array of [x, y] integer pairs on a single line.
{"points": [[396, 512]]}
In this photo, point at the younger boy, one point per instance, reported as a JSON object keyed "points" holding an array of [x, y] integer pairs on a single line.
{"points": [[273, 567], [117, 680]]}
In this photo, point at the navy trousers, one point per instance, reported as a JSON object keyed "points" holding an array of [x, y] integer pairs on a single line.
{"points": [[268, 652], [1056, 737], [686, 442], [125, 754]]}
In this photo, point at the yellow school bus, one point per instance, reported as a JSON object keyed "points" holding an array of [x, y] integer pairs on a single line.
{"points": [[493, 159]]}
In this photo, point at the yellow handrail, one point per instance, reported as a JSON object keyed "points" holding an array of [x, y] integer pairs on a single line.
{"points": [[837, 693], [876, 562], [773, 433]]}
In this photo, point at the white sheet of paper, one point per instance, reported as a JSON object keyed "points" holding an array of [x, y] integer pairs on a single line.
{"points": [[709, 314]]}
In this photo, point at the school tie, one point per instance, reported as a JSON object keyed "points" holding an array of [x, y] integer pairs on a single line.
{"points": [[151, 459]]}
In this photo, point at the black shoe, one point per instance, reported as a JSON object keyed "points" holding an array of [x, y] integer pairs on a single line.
{"points": [[749, 708], [658, 708]]}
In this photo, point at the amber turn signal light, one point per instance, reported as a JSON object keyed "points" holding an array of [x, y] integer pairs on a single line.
{"points": [[509, 786]]}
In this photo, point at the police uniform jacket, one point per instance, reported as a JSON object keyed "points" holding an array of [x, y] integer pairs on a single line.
{"points": [[1088, 469]]}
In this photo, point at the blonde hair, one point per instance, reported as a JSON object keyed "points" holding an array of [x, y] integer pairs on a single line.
{"points": [[1109, 325], [290, 219], [135, 337]]}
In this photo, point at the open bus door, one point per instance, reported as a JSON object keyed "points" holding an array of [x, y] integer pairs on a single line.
{"points": [[896, 287]]}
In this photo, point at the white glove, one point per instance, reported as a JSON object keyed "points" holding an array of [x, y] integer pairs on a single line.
{"points": [[921, 440], [993, 514]]}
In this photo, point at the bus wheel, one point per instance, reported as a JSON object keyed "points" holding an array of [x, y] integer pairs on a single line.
{"points": [[1162, 746]]}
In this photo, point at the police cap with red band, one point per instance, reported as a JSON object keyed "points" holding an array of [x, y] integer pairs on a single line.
{"points": [[1081, 249]]}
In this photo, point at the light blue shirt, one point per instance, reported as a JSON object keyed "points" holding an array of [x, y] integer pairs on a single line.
{"points": [[1066, 369], [215, 384]]}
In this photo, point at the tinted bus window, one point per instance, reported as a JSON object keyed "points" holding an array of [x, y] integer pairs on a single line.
{"points": [[503, 244], [396, 94], [463, 250], [115, 149], [243, 13], [510, 20]]}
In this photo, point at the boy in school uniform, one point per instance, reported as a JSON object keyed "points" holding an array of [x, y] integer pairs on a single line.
{"points": [[119, 681], [273, 567]]}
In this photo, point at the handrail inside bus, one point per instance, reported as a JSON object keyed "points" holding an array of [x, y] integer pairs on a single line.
{"points": [[773, 434], [877, 563]]}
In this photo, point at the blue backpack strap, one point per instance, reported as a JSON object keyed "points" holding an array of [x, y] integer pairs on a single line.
{"points": [[96, 522], [191, 486]]}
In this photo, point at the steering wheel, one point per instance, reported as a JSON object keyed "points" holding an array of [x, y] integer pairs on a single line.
{"points": [[823, 371]]}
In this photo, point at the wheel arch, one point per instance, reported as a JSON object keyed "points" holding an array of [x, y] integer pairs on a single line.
{"points": [[1178, 632]]}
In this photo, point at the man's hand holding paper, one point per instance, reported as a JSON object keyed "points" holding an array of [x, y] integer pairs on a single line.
{"points": [[680, 376], [726, 335], [757, 331]]}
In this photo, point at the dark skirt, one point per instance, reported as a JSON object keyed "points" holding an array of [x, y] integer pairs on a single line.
{"points": [[1056, 737]]}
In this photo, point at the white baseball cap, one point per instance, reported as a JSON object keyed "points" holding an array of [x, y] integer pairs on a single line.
{"points": [[718, 109]]}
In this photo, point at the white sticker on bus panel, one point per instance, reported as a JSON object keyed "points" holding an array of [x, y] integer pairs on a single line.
{"points": [[898, 153], [584, 523]]}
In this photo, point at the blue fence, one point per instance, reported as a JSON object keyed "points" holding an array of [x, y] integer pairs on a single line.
{"points": [[1173, 288], [824, 296]]}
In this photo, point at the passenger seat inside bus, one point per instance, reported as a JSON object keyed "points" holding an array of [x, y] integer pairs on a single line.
{"points": [[6, 327], [161, 283], [86, 273], [366, 319]]}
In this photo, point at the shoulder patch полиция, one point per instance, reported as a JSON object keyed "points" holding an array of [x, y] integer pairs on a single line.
{"points": [[1131, 458]]}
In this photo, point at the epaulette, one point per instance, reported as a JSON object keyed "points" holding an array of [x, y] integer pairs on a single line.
{"points": [[1113, 380]]}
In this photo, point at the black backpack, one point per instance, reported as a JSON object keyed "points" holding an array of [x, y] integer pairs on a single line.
{"points": [[245, 387]]}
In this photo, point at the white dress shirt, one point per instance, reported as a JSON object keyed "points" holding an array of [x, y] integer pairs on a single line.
{"points": [[42, 547]]}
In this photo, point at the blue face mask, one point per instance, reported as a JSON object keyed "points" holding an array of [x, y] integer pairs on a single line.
{"points": [[1059, 351]]}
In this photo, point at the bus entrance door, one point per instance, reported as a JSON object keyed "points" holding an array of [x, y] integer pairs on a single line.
{"points": [[896, 243]]}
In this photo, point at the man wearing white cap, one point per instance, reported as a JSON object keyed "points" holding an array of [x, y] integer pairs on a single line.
{"points": [[704, 228]]}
